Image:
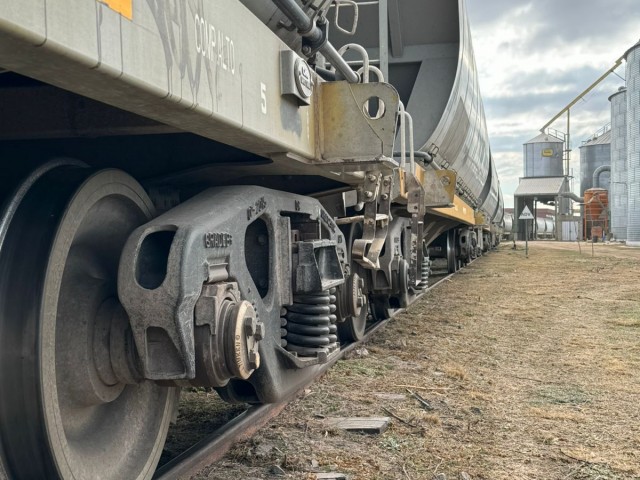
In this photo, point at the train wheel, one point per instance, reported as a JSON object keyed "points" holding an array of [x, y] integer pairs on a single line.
{"points": [[353, 328], [453, 265], [407, 294], [380, 308], [71, 405], [353, 299]]}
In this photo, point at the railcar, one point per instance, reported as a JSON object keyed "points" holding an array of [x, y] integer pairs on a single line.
{"points": [[216, 193], [507, 226]]}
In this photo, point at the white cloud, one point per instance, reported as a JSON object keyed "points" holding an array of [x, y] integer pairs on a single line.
{"points": [[533, 58]]}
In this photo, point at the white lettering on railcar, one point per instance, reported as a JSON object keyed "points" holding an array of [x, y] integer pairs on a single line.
{"points": [[214, 45]]}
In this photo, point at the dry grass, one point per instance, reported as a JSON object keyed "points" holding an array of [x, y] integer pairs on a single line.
{"points": [[556, 414], [455, 371], [432, 419], [530, 367], [626, 323]]}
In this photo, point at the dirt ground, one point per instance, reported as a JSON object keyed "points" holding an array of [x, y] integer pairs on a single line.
{"points": [[516, 368]]}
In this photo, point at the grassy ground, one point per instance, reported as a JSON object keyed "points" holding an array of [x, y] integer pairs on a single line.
{"points": [[517, 368]]}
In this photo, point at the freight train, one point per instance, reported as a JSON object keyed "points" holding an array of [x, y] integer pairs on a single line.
{"points": [[216, 193]]}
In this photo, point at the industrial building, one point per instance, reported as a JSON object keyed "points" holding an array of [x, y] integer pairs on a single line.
{"points": [[545, 182], [609, 171]]}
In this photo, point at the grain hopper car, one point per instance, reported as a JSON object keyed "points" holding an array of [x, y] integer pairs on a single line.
{"points": [[507, 227], [216, 194]]}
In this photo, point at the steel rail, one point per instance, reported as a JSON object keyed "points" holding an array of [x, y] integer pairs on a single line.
{"points": [[215, 445]]}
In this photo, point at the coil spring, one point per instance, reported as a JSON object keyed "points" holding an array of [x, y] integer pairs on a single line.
{"points": [[309, 325], [425, 271]]}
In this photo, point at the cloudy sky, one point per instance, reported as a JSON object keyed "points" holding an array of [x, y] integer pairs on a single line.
{"points": [[534, 57]]}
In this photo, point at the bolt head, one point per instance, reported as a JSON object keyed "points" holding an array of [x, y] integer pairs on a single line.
{"points": [[250, 326], [254, 360], [259, 333], [368, 194], [371, 178]]}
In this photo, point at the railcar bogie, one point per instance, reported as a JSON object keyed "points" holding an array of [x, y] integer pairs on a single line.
{"points": [[224, 207]]}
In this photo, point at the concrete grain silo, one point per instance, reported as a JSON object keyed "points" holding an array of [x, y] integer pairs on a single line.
{"points": [[618, 201], [633, 145]]}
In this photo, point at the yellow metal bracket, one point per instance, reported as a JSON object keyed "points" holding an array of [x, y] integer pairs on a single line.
{"points": [[439, 186], [460, 211]]}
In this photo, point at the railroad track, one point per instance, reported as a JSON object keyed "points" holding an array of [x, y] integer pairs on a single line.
{"points": [[215, 445]]}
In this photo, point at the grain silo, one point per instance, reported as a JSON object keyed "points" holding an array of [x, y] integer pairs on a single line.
{"points": [[594, 153], [543, 156], [633, 144], [618, 190], [544, 182]]}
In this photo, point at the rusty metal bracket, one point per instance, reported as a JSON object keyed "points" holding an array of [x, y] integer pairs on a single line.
{"points": [[351, 134], [377, 216], [439, 187]]}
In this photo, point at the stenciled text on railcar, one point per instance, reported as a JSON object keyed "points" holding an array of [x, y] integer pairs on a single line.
{"points": [[214, 45]]}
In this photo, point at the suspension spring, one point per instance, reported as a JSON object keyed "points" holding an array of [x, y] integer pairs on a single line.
{"points": [[425, 271], [310, 324]]}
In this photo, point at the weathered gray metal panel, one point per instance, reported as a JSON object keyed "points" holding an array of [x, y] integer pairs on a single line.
{"points": [[163, 64], [29, 15], [618, 200], [109, 27], [432, 89], [69, 26]]}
